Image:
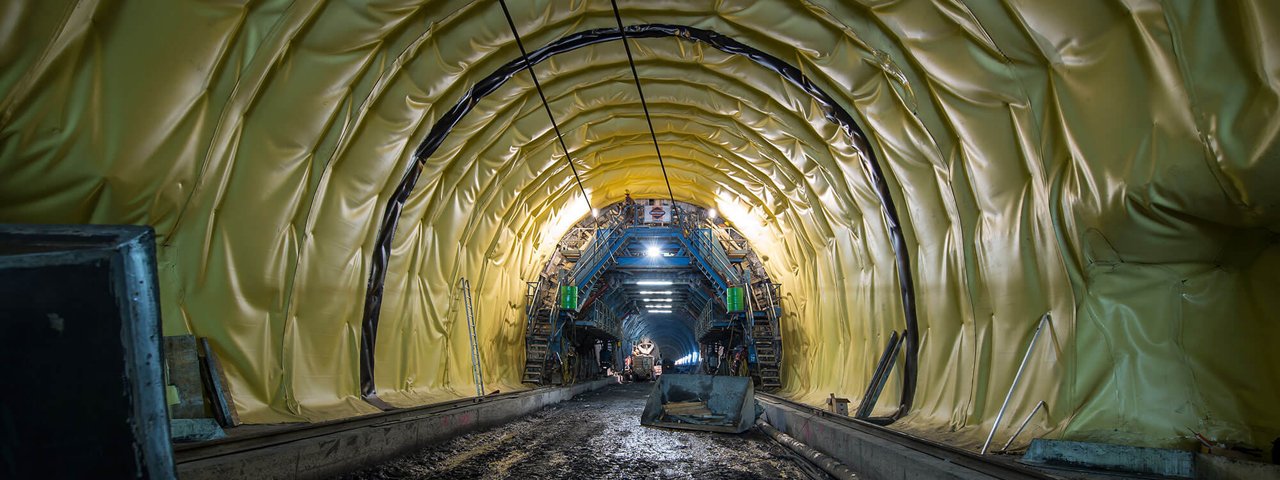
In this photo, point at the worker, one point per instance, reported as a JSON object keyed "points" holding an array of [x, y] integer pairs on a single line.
{"points": [[739, 366], [626, 367], [629, 208]]}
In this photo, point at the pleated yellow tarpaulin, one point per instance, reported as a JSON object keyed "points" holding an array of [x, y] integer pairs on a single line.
{"points": [[1112, 163]]}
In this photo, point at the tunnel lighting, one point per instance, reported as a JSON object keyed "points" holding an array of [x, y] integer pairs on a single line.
{"points": [[653, 282], [668, 300], [689, 359], [654, 252], [711, 213], [656, 292], [746, 221], [659, 311]]}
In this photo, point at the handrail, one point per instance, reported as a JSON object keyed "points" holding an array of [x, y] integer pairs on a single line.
{"points": [[603, 317], [556, 324], [530, 304], [775, 322], [536, 300], [701, 240], [554, 317], [531, 308], [598, 244], [748, 327], [704, 320]]}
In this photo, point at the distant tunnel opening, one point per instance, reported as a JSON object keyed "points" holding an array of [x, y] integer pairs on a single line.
{"points": [[647, 286]]}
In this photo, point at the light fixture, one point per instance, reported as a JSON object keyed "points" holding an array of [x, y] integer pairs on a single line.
{"points": [[711, 213], [653, 282], [660, 311], [654, 252], [656, 292], [595, 213], [657, 300]]}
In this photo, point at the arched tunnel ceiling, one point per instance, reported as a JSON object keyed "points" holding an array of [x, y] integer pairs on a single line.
{"points": [[1112, 163]]}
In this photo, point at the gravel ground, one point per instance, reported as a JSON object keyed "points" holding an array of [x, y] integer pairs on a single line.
{"points": [[596, 435]]}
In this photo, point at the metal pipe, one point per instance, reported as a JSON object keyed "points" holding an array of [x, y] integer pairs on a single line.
{"points": [[1005, 448], [878, 377], [1016, 377], [828, 464]]}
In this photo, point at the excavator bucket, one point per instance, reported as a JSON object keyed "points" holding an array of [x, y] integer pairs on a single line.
{"points": [[701, 402]]}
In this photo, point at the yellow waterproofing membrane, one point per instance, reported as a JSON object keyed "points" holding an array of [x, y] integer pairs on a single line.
{"points": [[1112, 163]]}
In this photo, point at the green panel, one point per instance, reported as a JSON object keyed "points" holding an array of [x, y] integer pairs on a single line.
{"points": [[733, 299], [569, 297]]}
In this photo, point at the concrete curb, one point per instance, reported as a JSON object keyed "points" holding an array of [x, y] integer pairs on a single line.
{"points": [[869, 456], [327, 455], [1129, 460]]}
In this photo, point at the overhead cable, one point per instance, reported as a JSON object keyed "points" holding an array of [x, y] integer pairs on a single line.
{"points": [[617, 16], [524, 56]]}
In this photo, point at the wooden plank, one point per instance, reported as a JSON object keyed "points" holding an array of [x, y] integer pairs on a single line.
{"points": [[215, 380], [182, 361]]}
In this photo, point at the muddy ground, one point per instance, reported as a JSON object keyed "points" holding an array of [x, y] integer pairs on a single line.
{"points": [[596, 435]]}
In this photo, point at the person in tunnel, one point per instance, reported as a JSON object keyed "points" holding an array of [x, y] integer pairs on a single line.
{"points": [[739, 366], [606, 356], [626, 368], [712, 363], [630, 210]]}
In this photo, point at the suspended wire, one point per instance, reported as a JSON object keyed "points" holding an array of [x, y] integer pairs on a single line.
{"points": [[525, 56], [617, 16]]}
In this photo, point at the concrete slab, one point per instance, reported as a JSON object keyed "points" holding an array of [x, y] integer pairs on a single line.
{"points": [[1110, 458], [1127, 460], [368, 441], [195, 429], [1216, 467], [872, 456]]}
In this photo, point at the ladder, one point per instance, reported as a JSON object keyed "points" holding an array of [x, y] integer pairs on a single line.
{"points": [[703, 244], [764, 334], [471, 332], [543, 308]]}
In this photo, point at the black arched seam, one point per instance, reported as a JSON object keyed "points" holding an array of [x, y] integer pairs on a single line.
{"points": [[834, 113]]}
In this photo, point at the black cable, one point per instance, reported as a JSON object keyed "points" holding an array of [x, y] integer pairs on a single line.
{"points": [[524, 56], [617, 16]]}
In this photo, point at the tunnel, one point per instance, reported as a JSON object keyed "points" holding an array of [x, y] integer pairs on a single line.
{"points": [[423, 227]]}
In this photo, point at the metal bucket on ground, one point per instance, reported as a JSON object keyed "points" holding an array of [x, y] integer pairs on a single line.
{"points": [[701, 402]]}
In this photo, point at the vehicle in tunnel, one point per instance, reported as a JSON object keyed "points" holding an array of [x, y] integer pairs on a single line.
{"points": [[645, 362]]}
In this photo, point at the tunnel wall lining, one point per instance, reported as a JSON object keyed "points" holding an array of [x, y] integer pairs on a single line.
{"points": [[1113, 163], [444, 126]]}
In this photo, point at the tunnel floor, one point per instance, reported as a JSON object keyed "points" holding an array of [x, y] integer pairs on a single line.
{"points": [[596, 435]]}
